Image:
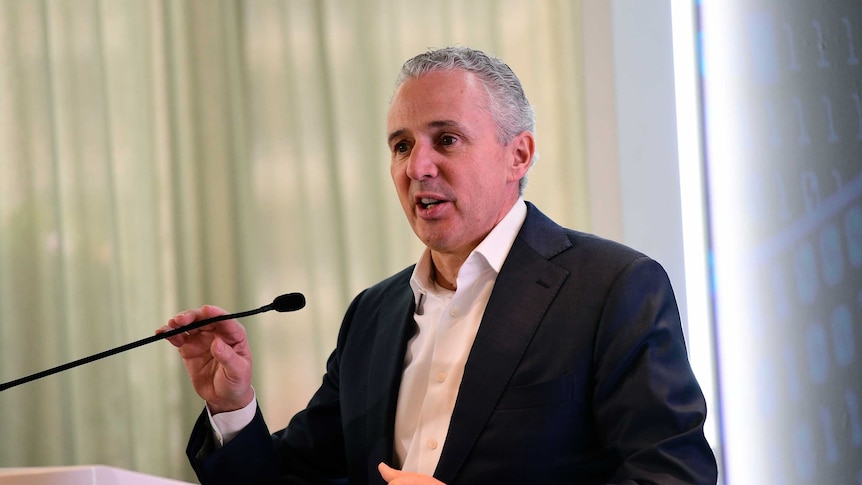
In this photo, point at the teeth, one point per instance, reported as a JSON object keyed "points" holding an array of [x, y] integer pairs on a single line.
{"points": [[428, 201]]}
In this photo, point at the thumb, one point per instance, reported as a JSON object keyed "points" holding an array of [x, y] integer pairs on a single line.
{"points": [[236, 369], [222, 352], [387, 472]]}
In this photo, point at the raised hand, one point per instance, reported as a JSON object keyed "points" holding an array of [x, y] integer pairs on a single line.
{"points": [[217, 358]]}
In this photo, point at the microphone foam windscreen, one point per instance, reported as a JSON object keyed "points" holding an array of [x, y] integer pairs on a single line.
{"points": [[289, 302]]}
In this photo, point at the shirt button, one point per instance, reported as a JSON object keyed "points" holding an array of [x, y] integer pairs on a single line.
{"points": [[454, 312], [432, 444], [441, 377]]}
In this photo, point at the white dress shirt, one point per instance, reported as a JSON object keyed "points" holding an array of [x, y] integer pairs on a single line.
{"points": [[447, 323]]}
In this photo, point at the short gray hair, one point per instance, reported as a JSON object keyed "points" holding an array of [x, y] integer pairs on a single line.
{"points": [[509, 106]]}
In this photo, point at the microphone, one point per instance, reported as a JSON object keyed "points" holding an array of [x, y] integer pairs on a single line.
{"points": [[289, 302]]}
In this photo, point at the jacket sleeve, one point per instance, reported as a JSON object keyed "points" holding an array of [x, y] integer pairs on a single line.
{"points": [[648, 405], [309, 450]]}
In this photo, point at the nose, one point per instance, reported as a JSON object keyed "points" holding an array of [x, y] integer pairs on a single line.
{"points": [[422, 162]]}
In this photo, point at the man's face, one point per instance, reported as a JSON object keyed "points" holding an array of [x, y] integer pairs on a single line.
{"points": [[454, 178]]}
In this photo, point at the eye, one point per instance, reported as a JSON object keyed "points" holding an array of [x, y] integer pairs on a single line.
{"points": [[400, 147], [447, 140]]}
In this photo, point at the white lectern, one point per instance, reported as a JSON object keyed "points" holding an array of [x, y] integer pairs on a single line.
{"points": [[79, 475]]}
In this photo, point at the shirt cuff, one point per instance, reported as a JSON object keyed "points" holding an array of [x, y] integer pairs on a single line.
{"points": [[227, 425]]}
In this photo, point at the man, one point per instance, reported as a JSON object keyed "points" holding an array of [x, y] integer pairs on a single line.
{"points": [[514, 351]]}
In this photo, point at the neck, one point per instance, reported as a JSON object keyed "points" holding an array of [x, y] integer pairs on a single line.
{"points": [[444, 269]]}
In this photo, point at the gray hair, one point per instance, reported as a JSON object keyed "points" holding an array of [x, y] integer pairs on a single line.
{"points": [[508, 103]]}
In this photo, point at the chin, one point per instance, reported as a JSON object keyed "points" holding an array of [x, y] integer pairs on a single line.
{"points": [[435, 241]]}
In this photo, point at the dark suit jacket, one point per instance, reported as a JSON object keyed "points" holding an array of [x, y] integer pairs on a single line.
{"points": [[578, 375]]}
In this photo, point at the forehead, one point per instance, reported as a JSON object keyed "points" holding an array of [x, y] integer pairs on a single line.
{"points": [[442, 95]]}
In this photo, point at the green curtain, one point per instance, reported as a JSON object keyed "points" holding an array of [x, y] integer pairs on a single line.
{"points": [[157, 155]]}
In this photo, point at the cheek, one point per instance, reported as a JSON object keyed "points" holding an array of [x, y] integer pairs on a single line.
{"points": [[400, 182], [393, 170], [397, 174]]}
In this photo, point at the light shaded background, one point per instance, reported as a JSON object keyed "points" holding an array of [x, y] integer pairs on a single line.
{"points": [[156, 155]]}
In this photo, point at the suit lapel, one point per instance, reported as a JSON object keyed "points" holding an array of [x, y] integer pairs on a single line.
{"points": [[525, 287], [384, 377]]}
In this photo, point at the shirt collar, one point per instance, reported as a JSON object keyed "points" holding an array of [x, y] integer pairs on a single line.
{"points": [[494, 249]]}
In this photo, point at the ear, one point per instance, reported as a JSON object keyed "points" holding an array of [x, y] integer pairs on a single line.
{"points": [[522, 149]]}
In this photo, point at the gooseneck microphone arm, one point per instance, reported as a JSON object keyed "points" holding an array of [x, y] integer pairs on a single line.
{"points": [[284, 303]]}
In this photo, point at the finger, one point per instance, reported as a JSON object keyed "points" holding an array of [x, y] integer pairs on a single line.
{"points": [[176, 340], [185, 318], [180, 320], [188, 317], [235, 389], [222, 352], [231, 331], [392, 475], [236, 368], [387, 472], [195, 314]]}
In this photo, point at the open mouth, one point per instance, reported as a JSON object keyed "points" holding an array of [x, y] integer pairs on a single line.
{"points": [[428, 203]]}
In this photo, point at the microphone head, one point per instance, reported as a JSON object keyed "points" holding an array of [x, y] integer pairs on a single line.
{"points": [[289, 302]]}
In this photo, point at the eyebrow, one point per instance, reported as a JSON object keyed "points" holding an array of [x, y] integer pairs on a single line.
{"points": [[433, 124]]}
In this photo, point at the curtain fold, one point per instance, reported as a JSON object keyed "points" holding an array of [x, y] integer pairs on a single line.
{"points": [[157, 155]]}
